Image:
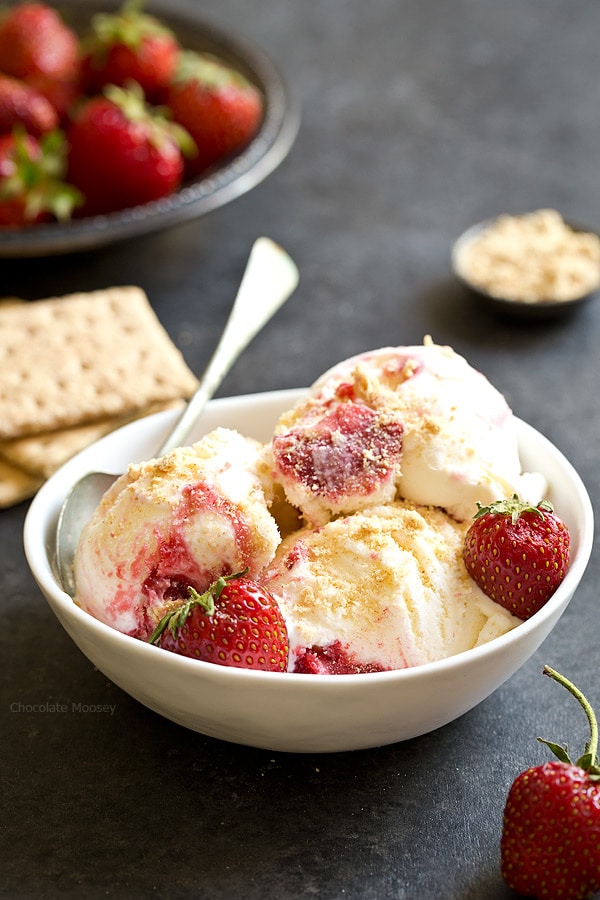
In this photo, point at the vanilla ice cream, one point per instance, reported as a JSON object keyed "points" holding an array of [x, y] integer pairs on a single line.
{"points": [[385, 588], [437, 433], [182, 520]]}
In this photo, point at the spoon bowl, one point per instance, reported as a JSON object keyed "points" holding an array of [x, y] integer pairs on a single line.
{"points": [[269, 279]]}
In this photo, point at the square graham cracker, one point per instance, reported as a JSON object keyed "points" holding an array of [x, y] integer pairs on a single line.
{"points": [[75, 359], [16, 485], [41, 454]]}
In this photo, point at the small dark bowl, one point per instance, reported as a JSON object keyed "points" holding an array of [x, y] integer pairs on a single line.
{"points": [[520, 309], [219, 186]]}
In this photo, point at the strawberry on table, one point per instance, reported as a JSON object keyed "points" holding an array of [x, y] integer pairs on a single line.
{"points": [[21, 104], [236, 622], [123, 153], [217, 105], [518, 554], [129, 45], [32, 188], [34, 41], [550, 846]]}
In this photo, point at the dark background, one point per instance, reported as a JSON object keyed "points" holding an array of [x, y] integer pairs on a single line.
{"points": [[418, 119]]}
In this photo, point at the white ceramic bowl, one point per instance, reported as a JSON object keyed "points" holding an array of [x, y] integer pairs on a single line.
{"points": [[297, 713]]}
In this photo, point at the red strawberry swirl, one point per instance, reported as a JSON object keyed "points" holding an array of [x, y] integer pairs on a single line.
{"points": [[351, 450]]}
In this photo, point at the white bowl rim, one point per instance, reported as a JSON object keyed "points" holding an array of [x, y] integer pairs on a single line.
{"points": [[37, 525]]}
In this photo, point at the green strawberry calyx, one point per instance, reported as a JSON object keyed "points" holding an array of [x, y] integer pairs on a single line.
{"points": [[208, 71], [131, 101], [129, 26], [38, 179], [175, 619], [589, 761], [514, 507]]}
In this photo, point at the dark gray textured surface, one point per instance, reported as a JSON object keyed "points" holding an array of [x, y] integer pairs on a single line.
{"points": [[418, 119]]}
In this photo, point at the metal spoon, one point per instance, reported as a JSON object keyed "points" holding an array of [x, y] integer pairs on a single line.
{"points": [[269, 279]]}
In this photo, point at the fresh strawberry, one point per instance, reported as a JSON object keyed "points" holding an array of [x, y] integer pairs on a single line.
{"points": [[32, 188], [34, 41], [217, 105], [550, 846], [21, 104], [123, 153], [518, 554], [126, 46], [236, 622]]}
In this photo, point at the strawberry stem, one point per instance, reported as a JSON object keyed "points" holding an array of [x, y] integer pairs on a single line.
{"points": [[589, 760], [175, 619], [513, 507]]}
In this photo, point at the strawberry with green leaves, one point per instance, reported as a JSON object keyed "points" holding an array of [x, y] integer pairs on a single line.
{"points": [[217, 105], [123, 153], [550, 846], [32, 186], [517, 553], [236, 622], [129, 45]]}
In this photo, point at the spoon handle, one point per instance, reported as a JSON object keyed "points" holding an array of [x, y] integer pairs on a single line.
{"points": [[269, 279]]}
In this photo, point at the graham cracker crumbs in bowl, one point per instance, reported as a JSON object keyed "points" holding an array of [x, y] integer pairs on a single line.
{"points": [[530, 259]]}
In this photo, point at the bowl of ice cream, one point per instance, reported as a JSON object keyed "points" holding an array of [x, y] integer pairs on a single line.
{"points": [[530, 266], [450, 646]]}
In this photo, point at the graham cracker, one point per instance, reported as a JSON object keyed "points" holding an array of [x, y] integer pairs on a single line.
{"points": [[42, 454], [16, 485], [10, 301], [72, 360]]}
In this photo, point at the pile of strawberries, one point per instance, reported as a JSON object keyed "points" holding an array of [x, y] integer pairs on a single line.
{"points": [[118, 117]]}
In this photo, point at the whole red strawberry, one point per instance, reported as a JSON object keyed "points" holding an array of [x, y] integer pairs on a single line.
{"points": [[236, 622], [217, 105], [21, 104], [126, 46], [122, 153], [34, 41], [32, 188], [518, 554], [550, 846]]}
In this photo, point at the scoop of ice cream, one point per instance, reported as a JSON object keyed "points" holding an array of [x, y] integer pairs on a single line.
{"points": [[442, 435], [181, 520], [338, 459], [385, 588]]}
